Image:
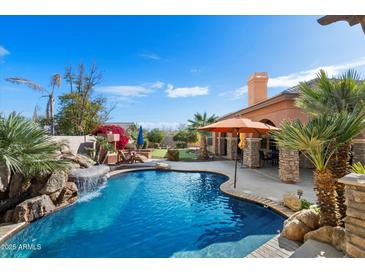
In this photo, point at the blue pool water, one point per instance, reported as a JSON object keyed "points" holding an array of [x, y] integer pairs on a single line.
{"points": [[150, 214]]}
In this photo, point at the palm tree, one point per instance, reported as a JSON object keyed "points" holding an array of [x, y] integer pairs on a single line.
{"points": [[25, 148], [55, 82], [328, 97], [318, 141], [27, 151], [201, 120]]}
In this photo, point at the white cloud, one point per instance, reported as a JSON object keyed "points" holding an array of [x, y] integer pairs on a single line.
{"points": [[160, 125], [133, 91], [195, 70], [158, 85], [151, 56], [3, 51], [293, 79], [186, 91]]}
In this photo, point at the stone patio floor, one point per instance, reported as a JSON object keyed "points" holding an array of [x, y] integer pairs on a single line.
{"points": [[262, 182]]}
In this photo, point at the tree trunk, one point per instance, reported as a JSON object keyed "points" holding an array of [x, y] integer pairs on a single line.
{"points": [[326, 195], [338, 164]]}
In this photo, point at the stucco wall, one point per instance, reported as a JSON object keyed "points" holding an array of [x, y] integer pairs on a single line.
{"points": [[76, 143]]}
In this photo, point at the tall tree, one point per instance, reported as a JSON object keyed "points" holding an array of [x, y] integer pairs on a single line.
{"points": [[329, 97], [80, 112], [55, 82], [318, 140], [201, 120]]}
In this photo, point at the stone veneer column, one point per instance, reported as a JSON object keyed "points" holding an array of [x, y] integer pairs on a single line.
{"points": [[358, 147], [251, 155], [288, 165], [355, 219]]}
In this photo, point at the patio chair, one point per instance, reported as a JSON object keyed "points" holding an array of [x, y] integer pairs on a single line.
{"points": [[263, 158], [123, 157]]}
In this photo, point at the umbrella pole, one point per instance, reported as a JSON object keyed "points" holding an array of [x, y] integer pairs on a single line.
{"points": [[235, 166]]}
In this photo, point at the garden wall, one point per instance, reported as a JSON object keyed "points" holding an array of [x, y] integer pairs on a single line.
{"points": [[77, 143]]}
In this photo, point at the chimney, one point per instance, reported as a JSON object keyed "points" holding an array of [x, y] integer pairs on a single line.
{"points": [[257, 88]]}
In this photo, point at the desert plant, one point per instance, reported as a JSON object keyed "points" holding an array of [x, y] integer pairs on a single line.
{"points": [[318, 141], [358, 168], [103, 147], [26, 148], [55, 82], [329, 97], [201, 120]]}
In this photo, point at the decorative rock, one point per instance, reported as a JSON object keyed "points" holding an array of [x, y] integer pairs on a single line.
{"points": [[334, 236], [18, 185], [65, 149], [67, 195], [300, 223], [295, 230], [4, 178], [162, 166], [56, 182], [292, 201], [8, 217], [33, 209], [310, 218]]}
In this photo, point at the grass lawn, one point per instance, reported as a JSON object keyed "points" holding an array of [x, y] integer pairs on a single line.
{"points": [[184, 154], [159, 153]]}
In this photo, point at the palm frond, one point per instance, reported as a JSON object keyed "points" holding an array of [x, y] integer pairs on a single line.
{"points": [[26, 82]]}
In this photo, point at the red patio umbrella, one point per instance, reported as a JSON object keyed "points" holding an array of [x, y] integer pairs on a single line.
{"points": [[236, 126]]}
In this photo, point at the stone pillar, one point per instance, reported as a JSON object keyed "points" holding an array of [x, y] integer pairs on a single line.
{"points": [[358, 150], [355, 219], [288, 165], [251, 155]]}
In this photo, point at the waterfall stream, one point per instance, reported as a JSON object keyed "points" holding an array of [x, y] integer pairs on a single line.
{"points": [[89, 180]]}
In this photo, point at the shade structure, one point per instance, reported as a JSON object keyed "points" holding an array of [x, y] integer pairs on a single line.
{"points": [[237, 126], [351, 20], [140, 139]]}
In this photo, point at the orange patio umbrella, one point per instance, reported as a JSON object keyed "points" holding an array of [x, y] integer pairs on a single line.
{"points": [[237, 126]]}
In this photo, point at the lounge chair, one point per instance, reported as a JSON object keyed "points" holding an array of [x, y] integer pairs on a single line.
{"points": [[130, 158]]}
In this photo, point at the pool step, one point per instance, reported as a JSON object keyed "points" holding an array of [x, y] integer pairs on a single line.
{"points": [[277, 247]]}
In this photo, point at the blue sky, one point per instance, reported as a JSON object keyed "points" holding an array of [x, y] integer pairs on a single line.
{"points": [[160, 70]]}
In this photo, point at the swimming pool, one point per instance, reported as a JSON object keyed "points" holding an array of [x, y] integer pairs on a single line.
{"points": [[150, 214]]}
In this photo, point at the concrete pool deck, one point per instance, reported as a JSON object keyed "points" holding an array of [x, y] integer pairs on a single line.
{"points": [[262, 182]]}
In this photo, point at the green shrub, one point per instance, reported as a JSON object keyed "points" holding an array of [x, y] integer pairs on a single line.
{"points": [[305, 204], [181, 145], [173, 155], [358, 168]]}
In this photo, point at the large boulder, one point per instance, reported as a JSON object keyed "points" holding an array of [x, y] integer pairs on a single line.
{"points": [[65, 149], [33, 209], [8, 216], [55, 182], [334, 236], [18, 185], [80, 159], [295, 230], [310, 218], [300, 223], [4, 178], [162, 166], [292, 201], [67, 195]]}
